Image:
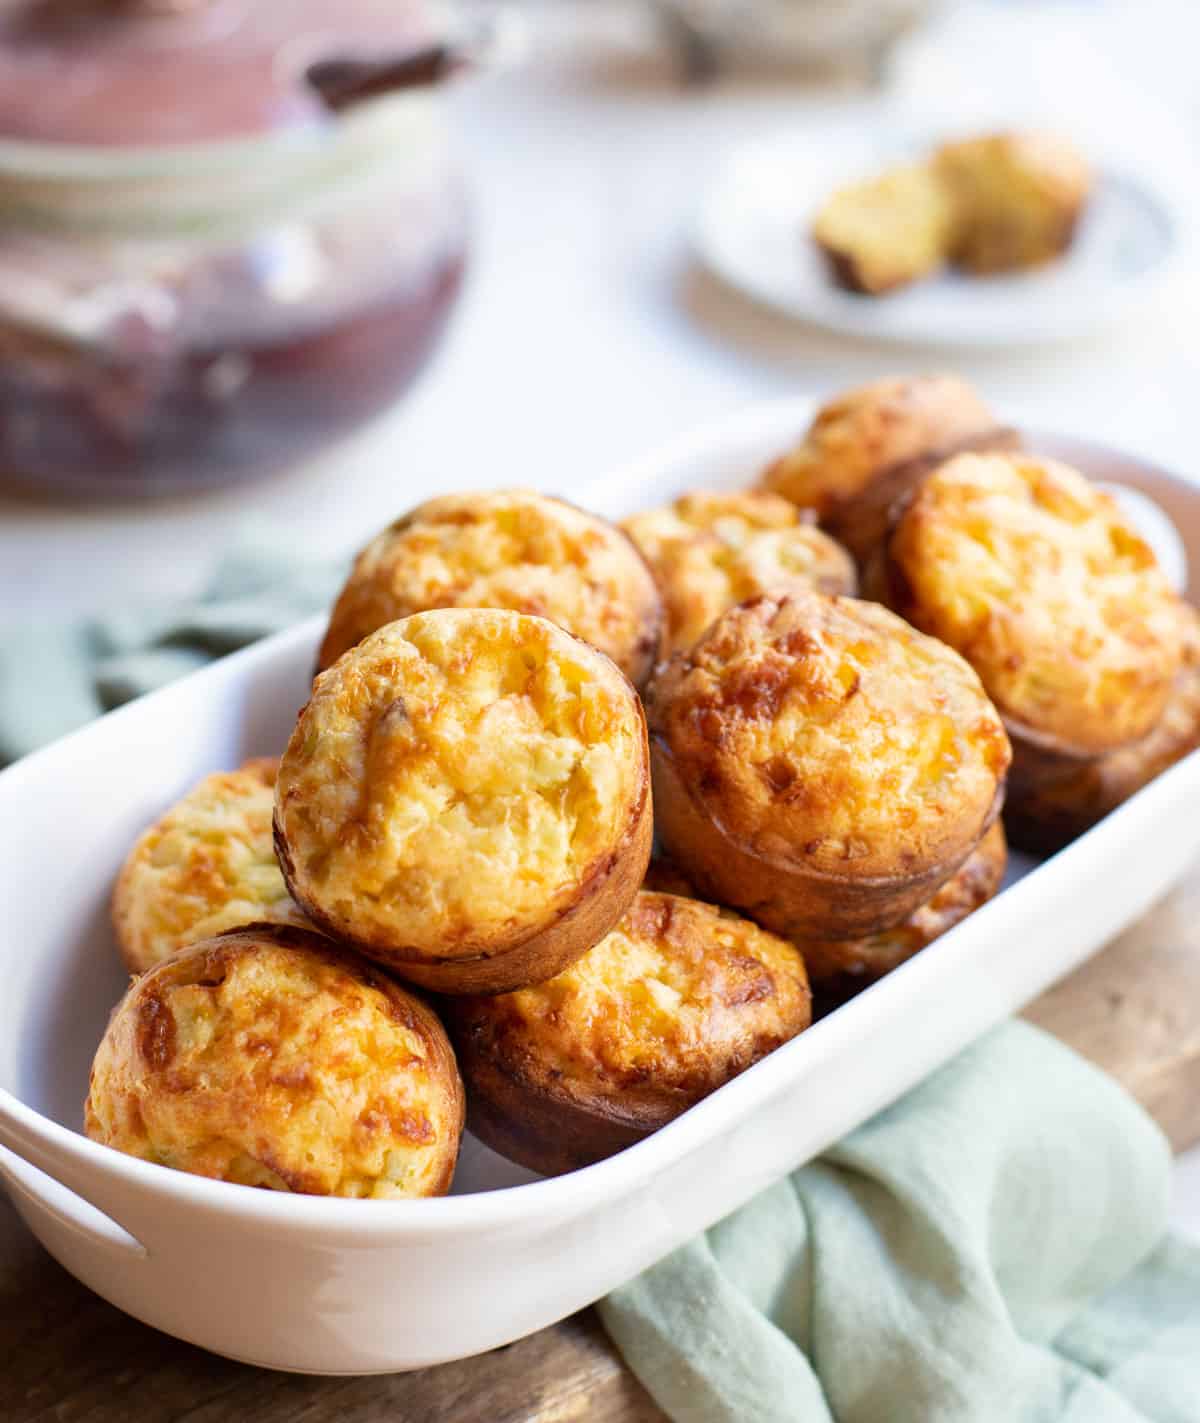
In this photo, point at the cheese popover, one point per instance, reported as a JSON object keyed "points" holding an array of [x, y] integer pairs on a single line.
{"points": [[708, 551], [1017, 198], [886, 231], [208, 865], [975, 881], [1036, 577], [821, 765], [509, 548], [1061, 799], [675, 1001], [268, 1058], [870, 445], [466, 798]]}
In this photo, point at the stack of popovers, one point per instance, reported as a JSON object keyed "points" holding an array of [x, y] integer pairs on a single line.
{"points": [[465, 800]]}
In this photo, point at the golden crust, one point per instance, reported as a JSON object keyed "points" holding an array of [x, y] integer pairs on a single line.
{"points": [[1017, 198], [821, 765], [676, 1000], [709, 551], [267, 1058], [512, 549], [466, 799], [886, 231], [206, 866], [977, 879], [869, 446], [1037, 579], [1062, 800]]}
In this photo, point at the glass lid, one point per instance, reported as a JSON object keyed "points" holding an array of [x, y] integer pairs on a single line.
{"points": [[158, 73]]}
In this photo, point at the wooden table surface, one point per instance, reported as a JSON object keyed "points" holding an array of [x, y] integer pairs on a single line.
{"points": [[66, 1355]]}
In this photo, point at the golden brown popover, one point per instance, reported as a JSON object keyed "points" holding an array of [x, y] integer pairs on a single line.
{"points": [[868, 446], [821, 765], [977, 879], [508, 548], [1017, 198], [268, 1058], [709, 551], [206, 866], [675, 1001], [466, 799], [886, 231], [1061, 799], [1036, 577]]}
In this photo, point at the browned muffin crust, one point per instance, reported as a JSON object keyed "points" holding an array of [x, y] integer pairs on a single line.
{"points": [[861, 961], [821, 765], [466, 799], [207, 865], [506, 548], [267, 1058], [1037, 578], [710, 550], [871, 445], [676, 1000], [1055, 801], [976, 881]]}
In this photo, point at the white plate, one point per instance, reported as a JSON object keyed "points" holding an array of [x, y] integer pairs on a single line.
{"points": [[340, 1286], [753, 231]]}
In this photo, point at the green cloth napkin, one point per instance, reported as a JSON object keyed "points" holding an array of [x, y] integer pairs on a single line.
{"points": [[990, 1249], [56, 676]]}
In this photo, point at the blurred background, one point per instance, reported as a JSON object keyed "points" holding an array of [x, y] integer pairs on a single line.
{"points": [[236, 279]]}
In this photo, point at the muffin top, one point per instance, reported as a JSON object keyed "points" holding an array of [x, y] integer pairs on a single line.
{"points": [[865, 431], [827, 733], [456, 779], [266, 1058], [673, 1002], [508, 548], [1035, 576], [709, 551], [1038, 163], [208, 865]]}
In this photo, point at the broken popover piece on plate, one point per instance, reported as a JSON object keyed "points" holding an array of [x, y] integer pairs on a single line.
{"points": [[821, 765], [868, 446], [887, 230], [1037, 578], [207, 865], [466, 799], [711, 550], [676, 1000], [268, 1058], [506, 548]]}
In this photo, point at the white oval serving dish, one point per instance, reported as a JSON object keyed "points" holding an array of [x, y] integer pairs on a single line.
{"points": [[339, 1286]]}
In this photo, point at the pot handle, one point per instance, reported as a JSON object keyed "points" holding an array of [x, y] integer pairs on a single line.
{"points": [[46, 1176]]}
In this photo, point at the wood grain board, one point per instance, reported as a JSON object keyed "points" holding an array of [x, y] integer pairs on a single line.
{"points": [[64, 1354]]}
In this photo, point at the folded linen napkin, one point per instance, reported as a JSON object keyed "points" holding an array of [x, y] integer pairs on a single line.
{"points": [[990, 1249], [56, 676]]}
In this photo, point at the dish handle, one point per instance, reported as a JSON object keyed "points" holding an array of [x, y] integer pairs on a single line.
{"points": [[46, 1178]]}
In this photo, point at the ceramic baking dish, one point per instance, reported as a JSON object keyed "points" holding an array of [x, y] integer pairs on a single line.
{"points": [[338, 1286]]}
